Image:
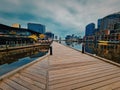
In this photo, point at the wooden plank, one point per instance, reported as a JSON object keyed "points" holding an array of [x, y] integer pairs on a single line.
{"points": [[5, 86], [111, 86], [71, 65], [43, 64], [67, 59], [37, 72], [85, 81], [80, 75], [36, 78], [117, 88], [45, 67], [41, 78], [75, 70], [15, 85], [79, 69], [33, 82], [24, 83], [104, 85], [54, 72], [89, 70]]}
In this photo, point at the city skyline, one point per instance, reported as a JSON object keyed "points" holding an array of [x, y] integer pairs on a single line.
{"points": [[60, 17]]}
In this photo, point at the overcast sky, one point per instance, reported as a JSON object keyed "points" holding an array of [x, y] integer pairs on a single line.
{"points": [[61, 17]]}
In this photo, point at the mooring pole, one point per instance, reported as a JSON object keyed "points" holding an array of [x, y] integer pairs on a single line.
{"points": [[50, 50], [83, 48]]}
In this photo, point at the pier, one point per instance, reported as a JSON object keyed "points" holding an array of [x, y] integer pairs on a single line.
{"points": [[65, 69]]}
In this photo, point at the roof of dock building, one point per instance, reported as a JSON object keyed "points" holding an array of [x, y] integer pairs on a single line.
{"points": [[2, 26]]}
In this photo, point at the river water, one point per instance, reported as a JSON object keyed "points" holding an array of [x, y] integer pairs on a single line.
{"points": [[108, 51], [10, 62]]}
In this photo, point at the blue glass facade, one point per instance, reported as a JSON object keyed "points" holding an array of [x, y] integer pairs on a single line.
{"points": [[90, 29], [99, 23], [36, 27], [49, 35]]}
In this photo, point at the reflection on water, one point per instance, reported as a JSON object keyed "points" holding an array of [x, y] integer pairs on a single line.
{"points": [[12, 60], [76, 45], [108, 51]]}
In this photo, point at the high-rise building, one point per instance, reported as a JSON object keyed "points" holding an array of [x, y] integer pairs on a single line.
{"points": [[98, 24], [90, 28], [39, 28], [109, 27], [16, 25], [108, 22]]}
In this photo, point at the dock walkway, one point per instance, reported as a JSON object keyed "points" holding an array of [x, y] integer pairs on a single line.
{"points": [[66, 69]]}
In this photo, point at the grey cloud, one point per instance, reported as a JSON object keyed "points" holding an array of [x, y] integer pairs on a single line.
{"points": [[59, 15]]}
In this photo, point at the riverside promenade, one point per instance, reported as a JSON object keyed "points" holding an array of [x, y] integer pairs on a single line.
{"points": [[66, 69]]}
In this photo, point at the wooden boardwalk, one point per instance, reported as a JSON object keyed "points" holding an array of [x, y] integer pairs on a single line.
{"points": [[66, 69]]}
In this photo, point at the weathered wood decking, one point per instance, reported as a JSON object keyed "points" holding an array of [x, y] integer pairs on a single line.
{"points": [[66, 69]]}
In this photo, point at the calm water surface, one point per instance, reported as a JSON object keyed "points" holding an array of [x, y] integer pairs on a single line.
{"points": [[16, 60], [108, 51]]}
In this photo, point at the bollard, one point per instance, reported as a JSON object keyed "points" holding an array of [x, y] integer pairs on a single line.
{"points": [[50, 50], [83, 48]]}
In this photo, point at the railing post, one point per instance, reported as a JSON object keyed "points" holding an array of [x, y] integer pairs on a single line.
{"points": [[50, 50]]}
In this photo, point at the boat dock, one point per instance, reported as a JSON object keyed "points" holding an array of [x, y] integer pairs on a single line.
{"points": [[66, 69]]}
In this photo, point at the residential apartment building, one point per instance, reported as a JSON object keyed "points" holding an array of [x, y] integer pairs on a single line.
{"points": [[108, 29]]}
